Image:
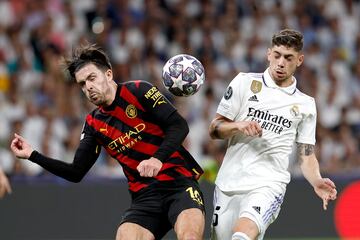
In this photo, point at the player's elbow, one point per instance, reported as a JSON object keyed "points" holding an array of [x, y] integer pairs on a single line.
{"points": [[182, 124], [212, 135], [213, 131], [185, 128], [75, 177]]}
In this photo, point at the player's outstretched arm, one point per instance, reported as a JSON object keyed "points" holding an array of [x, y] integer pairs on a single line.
{"points": [[4, 184], [223, 128], [323, 187], [85, 157]]}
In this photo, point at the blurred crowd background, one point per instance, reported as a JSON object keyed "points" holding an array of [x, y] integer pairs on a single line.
{"points": [[38, 100]]}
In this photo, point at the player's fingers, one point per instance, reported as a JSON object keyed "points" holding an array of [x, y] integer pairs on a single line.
{"points": [[12, 145], [155, 172], [19, 137], [333, 194], [330, 183], [252, 130], [140, 169], [258, 129], [14, 148], [147, 170], [16, 144], [8, 188], [325, 203], [246, 132], [2, 192], [150, 173]]}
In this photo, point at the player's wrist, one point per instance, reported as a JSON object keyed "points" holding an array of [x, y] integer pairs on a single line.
{"points": [[32, 155]]}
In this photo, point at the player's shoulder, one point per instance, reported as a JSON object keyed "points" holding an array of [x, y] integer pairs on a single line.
{"points": [[91, 117], [247, 78], [138, 88], [306, 100], [137, 84]]}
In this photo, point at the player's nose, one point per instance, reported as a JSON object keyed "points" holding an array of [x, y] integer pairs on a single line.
{"points": [[88, 85]]}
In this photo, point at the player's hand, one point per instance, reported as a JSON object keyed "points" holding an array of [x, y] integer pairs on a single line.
{"points": [[250, 128], [20, 147], [4, 185], [326, 190], [150, 167]]}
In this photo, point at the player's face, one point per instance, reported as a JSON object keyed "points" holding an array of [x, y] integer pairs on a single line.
{"points": [[95, 84], [283, 62]]}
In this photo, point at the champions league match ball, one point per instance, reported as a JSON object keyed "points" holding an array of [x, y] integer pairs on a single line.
{"points": [[183, 75]]}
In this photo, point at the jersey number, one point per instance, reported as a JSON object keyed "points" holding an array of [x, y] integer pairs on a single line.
{"points": [[216, 217], [195, 195]]}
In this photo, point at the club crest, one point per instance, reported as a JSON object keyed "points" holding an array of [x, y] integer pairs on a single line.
{"points": [[256, 86], [131, 111], [295, 110]]}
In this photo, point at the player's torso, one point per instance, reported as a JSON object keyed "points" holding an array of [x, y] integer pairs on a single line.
{"points": [[277, 112], [254, 161], [127, 130], [130, 131]]}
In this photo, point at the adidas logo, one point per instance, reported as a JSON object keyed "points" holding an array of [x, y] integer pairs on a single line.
{"points": [[253, 98], [257, 209]]}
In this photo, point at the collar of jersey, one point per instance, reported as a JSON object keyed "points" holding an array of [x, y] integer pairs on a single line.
{"points": [[269, 82]]}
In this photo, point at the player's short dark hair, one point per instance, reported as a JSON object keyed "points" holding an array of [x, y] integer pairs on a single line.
{"points": [[85, 54], [289, 38]]}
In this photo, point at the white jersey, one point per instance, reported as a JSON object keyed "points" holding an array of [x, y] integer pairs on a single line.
{"points": [[285, 115]]}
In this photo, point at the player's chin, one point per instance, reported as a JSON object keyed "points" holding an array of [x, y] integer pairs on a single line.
{"points": [[280, 77], [96, 102]]}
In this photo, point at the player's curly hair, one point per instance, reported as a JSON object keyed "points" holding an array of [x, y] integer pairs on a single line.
{"points": [[85, 54], [289, 38]]}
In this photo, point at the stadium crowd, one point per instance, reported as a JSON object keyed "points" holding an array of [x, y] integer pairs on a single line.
{"points": [[38, 101]]}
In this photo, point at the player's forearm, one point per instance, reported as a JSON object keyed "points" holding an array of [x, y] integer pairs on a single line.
{"points": [[84, 159], [222, 129], [175, 133], [310, 168], [62, 169]]}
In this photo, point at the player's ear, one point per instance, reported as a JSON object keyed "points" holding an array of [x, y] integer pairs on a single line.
{"points": [[109, 74], [268, 54], [300, 60]]}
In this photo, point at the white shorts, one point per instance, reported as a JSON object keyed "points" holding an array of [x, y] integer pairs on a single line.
{"points": [[261, 205]]}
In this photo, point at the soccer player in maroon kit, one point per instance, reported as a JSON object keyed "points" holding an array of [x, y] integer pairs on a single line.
{"points": [[142, 130]]}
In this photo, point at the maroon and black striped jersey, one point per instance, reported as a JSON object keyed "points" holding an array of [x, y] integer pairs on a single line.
{"points": [[130, 130]]}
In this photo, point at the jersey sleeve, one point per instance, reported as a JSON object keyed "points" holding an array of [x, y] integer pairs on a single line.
{"points": [[307, 126], [154, 101], [85, 157], [230, 103]]}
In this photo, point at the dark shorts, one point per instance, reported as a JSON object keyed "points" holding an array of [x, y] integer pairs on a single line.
{"points": [[157, 207]]}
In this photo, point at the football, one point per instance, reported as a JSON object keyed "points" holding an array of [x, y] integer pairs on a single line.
{"points": [[183, 75]]}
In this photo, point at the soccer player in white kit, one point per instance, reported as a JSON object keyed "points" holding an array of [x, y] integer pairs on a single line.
{"points": [[262, 115]]}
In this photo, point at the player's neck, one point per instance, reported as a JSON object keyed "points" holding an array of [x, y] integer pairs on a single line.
{"points": [[284, 83], [111, 94]]}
